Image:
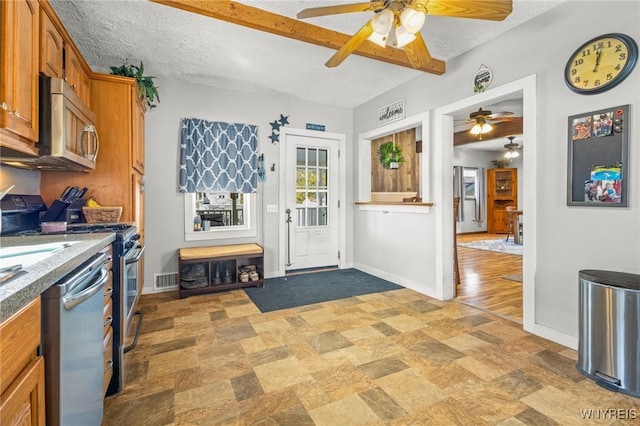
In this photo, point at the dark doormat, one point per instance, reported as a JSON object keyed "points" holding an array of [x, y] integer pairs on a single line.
{"points": [[306, 289]]}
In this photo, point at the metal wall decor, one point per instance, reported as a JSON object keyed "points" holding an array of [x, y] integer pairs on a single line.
{"points": [[598, 160], [275, 128]]}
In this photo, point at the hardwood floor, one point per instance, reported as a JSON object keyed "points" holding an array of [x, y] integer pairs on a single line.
{"points": [[481, 278], [392, 358]]}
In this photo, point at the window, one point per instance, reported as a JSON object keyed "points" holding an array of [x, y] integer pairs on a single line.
{"points": [[219, 215], [312, 190]]}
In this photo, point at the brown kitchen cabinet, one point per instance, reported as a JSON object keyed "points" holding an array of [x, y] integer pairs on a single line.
{"points": [[210, 265], [22, 372], [59, 56], [51, 47], [19, 52], [107, 343], [502, 192]]}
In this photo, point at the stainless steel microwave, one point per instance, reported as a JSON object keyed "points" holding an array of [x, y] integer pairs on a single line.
{"points": [[68, 136]]}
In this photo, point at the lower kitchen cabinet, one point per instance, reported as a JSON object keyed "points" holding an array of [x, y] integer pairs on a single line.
{"points": [[107, 317], [22, 373]]}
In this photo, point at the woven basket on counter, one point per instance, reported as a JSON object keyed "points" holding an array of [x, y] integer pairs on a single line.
{"points": [[102, 214]]}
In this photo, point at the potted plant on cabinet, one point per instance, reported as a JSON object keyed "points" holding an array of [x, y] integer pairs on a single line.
{"points": [[147, 87]]}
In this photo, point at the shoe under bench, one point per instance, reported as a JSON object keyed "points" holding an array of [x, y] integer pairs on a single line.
{"points": [[221, 266]]}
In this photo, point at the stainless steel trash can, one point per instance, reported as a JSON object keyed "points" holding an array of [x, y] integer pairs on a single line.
{"points": [[609, 337]]}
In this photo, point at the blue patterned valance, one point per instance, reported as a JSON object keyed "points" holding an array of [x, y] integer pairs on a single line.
{"points": [[218, 157]]}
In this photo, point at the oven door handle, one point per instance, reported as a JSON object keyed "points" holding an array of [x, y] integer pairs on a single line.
{"points": [[137, 258], [75, 299]]}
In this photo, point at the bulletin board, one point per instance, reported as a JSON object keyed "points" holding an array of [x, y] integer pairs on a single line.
{"points": [[598, 160]]}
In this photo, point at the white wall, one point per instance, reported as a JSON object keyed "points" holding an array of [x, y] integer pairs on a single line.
{"points": [[164, 205], [564, 243]]}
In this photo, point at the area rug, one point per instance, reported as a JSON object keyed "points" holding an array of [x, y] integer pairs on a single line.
{"points": [[497, 245], [513, 277], [306, 289]]}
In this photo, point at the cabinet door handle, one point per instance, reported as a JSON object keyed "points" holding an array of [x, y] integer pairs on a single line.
{"points": [[108, 321], [15, 113], [4, 106], [108, 366]]}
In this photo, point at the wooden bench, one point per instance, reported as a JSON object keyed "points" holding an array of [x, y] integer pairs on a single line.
{"points": [[204, 270]]}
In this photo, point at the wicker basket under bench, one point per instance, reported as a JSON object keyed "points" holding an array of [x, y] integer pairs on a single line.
{"points": [[203, 270]]}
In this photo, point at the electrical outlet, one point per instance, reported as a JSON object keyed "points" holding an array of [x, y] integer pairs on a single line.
{"points": [[272, 208]]}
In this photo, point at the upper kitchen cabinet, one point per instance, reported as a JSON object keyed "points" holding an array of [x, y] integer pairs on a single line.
{"points": [[139, 110], [59, 56], [19, 47], [51, 48], [116, 180]]}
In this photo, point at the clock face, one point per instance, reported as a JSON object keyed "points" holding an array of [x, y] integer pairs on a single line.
{"points": [[601, 63]]}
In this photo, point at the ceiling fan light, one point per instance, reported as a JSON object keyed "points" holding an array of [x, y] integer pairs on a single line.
{"points": [[512, 153], [412, 20], [379, 39], [403, 37], [480, 128], [382, 22]]}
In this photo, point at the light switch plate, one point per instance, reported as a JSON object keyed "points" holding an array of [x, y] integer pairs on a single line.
{"points": [[272, 208]]}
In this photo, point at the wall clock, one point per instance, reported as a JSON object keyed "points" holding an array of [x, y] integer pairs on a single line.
{"points": [[601, 63]]}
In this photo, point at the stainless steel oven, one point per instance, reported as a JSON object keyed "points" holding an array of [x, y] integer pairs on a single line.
{"points": [[127, 253], [130, 266]]}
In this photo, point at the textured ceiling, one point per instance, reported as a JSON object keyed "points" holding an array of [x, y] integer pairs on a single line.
{"points": [[180, 45]]}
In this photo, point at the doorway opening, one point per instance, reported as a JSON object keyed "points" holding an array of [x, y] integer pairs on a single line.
{"points": [[525, 89]]}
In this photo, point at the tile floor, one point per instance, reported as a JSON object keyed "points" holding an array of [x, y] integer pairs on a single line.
{"points": [[393, 358]]}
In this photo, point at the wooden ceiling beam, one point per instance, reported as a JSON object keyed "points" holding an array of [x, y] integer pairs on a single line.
{"points": [[262, 20], [502, 129]]}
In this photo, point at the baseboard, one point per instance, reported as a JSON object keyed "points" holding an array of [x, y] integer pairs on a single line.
{"points": [[410, 284], [556, 336]]}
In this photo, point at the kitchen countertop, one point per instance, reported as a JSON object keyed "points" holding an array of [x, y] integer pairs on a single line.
{"points": [[19, 291]]}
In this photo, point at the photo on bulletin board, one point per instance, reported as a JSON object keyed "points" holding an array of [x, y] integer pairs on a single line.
{"points": [[598, 160]]}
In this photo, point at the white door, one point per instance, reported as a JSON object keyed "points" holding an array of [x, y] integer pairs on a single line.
{"points": [[311, 201]]}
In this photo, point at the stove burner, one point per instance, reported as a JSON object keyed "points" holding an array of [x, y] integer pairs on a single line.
{"points": [[84, 228]]}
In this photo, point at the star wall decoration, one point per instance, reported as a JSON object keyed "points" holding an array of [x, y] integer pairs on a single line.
{"points": [[275, 128]]}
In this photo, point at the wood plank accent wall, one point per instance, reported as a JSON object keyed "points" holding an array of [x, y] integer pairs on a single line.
{"points": [[404, 179]]}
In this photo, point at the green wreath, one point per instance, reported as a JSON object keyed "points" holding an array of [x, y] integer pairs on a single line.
{"points": [[390, 153]]}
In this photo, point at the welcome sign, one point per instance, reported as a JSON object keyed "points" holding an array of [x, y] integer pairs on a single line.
{"points": [[391, 113]]}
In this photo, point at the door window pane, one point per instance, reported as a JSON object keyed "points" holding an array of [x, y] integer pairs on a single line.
{"points": [[312, 189], [300, 156], [322, 157], [313, 157]]}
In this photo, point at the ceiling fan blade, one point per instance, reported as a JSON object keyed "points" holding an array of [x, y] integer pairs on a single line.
{"points": [[490, 10], [504, 119], [351, 45], [341, 8], [500, 114], [417, 52]]}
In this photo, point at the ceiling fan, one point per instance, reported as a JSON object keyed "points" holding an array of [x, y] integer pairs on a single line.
{"points": [[512, 148], [406, 18], [481, 121]]}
